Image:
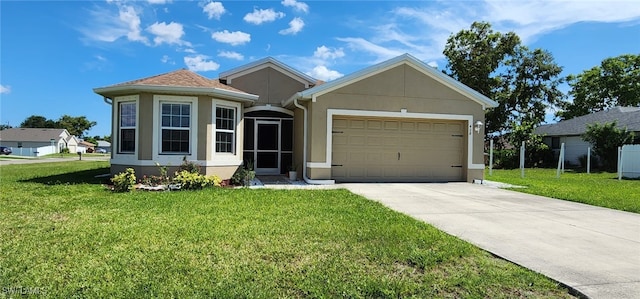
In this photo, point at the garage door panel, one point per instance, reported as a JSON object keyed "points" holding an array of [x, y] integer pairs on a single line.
{"points": [[398, 150]]}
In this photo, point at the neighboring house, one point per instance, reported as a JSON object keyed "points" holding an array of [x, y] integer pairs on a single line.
{"points": [[105, 145], [72, 144], [399, 120], [570, 131], [86, 147], [34, 141]]}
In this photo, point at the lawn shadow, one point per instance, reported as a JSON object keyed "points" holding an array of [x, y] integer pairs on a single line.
{"points": [[72, 178]]}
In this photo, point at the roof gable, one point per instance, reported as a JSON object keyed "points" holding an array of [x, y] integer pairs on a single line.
{"points": [[33, 134], [265, 63], [406, 59], [625, 117]]}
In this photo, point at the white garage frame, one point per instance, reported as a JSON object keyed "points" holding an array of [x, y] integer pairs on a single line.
{"points": [[392, 114]]}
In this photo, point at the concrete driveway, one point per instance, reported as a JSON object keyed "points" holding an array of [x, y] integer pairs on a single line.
{"points": [[593, 250]]}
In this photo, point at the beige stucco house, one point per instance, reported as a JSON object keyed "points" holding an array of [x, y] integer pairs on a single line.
{"points": [[399, 120]]}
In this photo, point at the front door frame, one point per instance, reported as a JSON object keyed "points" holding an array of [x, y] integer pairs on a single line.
{"points": [[257, 150]]}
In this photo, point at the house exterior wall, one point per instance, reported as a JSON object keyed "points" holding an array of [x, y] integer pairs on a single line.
{"points": [[396, 89], [574, 148], [148, 134], [271, 85]]}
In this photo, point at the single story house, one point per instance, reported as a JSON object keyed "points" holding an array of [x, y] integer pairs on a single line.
{"points": [[397, 121], [105, 145], [34, 141], [72, 143], [570, 131]]}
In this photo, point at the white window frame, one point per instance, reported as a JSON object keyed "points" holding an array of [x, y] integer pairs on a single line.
{"points": [[178, 128], [174, 158], [117, 157], [232, 131], [120, 127], [223, 158]]}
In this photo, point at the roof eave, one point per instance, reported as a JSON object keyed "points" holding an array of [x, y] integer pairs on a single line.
{"points": [[112, 91]]}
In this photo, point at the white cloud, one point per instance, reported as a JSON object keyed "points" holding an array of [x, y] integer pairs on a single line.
{"points": [[295, 26], [166, 59], [323, 73], [259, 16], [360, 44], [299, 6], [158, 1], [5, 89], [167, 33], [231, 55], [326, 53], [200, 63], [109, 26], [433, 64], [233, 38], [214, 10], [130, 18], [422, 30]]}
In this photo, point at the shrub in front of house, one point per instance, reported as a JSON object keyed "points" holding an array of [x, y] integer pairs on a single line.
{"points": [[195, 181], [124, 181]]}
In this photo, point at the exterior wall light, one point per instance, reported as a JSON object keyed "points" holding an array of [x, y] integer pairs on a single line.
{"points": [[479, 125]]}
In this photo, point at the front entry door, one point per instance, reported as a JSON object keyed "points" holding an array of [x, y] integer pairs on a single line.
{"points": [[267, 139]]}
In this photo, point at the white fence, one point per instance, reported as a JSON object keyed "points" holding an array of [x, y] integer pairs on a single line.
{"points": [[629, 161], [33, 151]]}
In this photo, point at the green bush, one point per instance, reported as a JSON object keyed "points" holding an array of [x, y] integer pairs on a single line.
{"points": [[124, 181], [65, 150], [189, 166], [243, 175], [195, 181]]}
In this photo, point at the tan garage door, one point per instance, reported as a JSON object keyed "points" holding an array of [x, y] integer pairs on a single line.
{"points": [[397, 150]]}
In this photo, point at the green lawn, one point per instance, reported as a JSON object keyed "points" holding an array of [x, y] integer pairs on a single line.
{"points": [[599, 189], [64, 235]]}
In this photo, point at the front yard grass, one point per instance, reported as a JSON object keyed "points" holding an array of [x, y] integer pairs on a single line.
{"points": [[599, 189], [63, 235]]}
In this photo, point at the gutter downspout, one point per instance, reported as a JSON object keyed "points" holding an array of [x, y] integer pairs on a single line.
{"points": [[304, 150]]}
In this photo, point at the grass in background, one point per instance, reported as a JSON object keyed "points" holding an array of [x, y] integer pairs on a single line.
{"points": [[63, 234], [599, 189]]}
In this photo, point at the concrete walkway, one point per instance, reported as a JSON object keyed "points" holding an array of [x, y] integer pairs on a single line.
{"points": [[593, 250]]}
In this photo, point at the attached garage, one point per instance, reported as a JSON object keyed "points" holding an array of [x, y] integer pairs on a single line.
{"points": [[397, 150], [397, 121]]}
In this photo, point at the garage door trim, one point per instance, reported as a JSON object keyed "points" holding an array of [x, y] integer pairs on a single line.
{"points": [[372, 113]]}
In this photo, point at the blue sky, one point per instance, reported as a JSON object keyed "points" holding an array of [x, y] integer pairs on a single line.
{"points": [[53, 53]]}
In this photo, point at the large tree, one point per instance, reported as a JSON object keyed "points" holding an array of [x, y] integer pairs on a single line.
{"points": [[524, 82], [75, 125], [37, 121], [615, 82]]}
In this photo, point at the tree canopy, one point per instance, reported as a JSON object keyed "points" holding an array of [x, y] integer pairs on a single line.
{"points": [[605, 139], [38, 121], [75, 125], [615, 82], [524, 82]]}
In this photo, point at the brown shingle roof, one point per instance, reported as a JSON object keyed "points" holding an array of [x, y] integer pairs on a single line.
{"points": [[30, 134], [181, 78]]}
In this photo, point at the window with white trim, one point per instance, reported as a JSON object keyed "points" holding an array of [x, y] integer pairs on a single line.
{"points": [[175, 128], [225, 130], [127, 128]]}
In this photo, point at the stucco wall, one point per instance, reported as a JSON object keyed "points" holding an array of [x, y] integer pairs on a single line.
{"points": [[271, 85], [145, 127], [402, 87]]}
